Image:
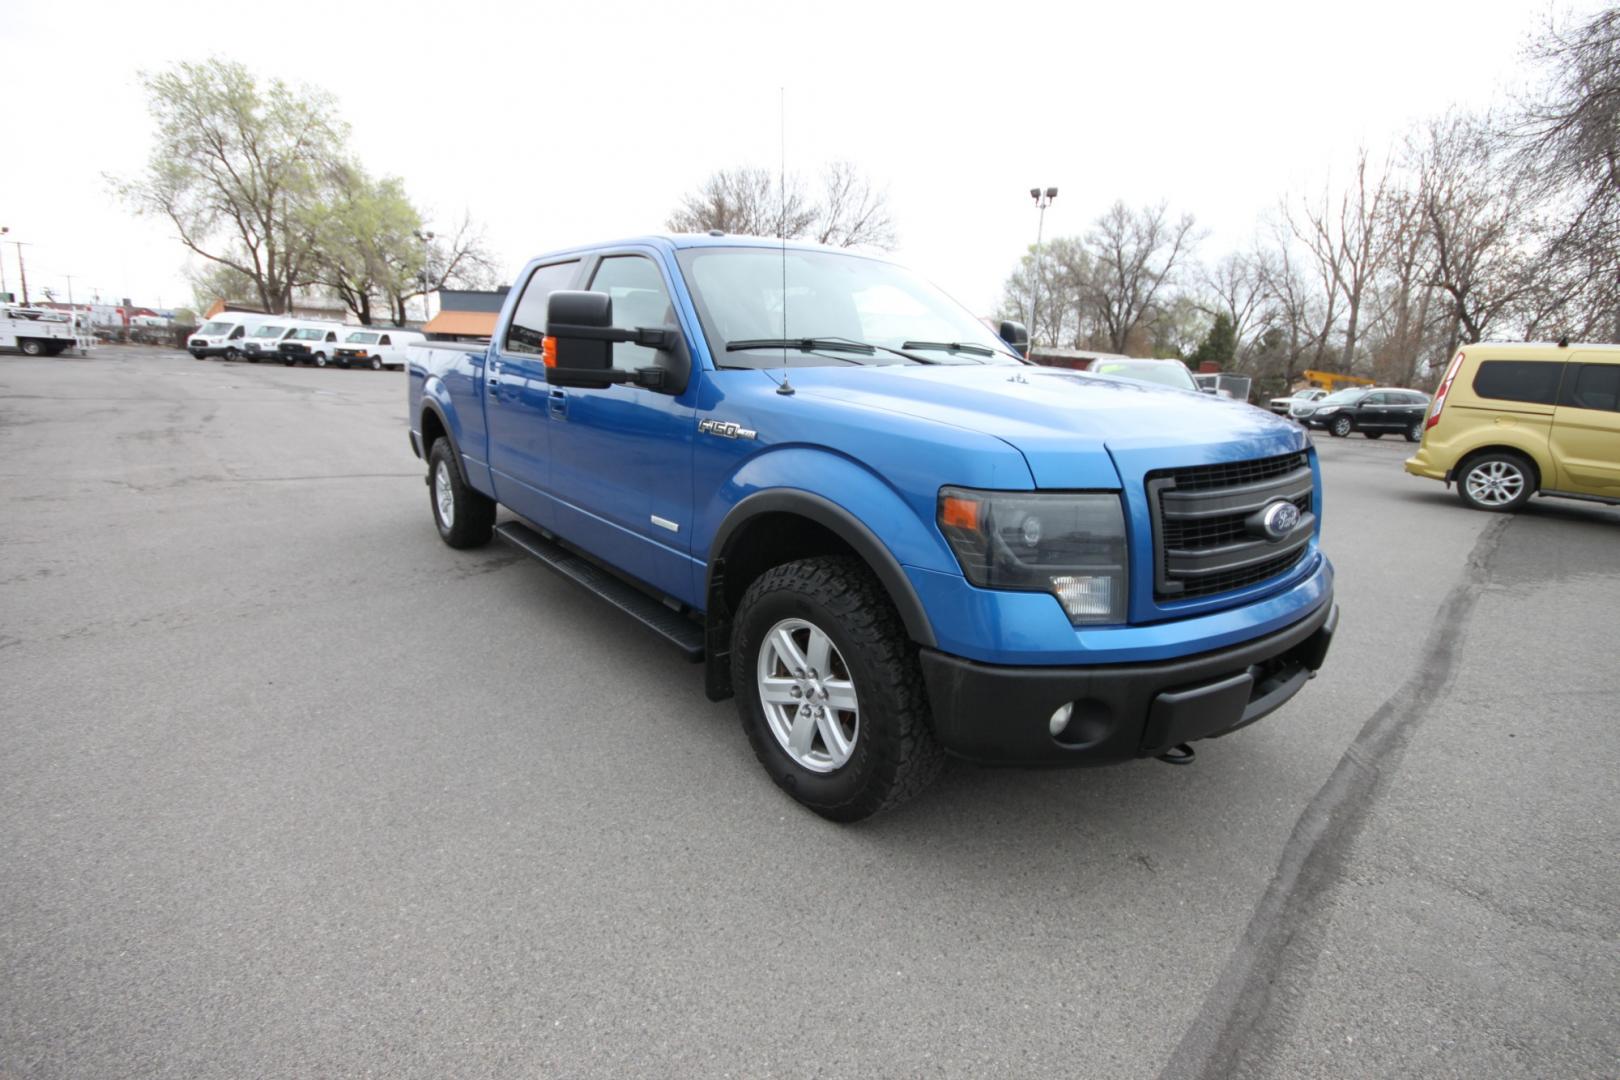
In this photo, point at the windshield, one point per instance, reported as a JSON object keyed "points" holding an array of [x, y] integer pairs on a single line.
{"points": [[308, 334], [214, 329], [1308, 393], [361, 339], [1344, 397], [269, 331], [739, 296], [1166, 374]]}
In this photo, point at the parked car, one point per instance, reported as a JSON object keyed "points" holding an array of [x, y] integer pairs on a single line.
{"points": [[262, 342], [224, 335], [1373, 411], [1512, 421], [310, 343], [888, 535], [1164, 372], [376, 349], [1284, 406]]}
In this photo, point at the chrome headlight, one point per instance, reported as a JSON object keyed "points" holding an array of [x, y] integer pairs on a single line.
{"points": [[1069, 544], [1325, 409]]}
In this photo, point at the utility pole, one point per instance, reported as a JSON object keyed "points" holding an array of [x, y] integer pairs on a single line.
{"points": [[427, 249], [3, 230], [1043, 199], [22, 271]]}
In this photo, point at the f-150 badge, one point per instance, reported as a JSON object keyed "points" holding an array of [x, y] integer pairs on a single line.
{"points": [[726, 429]]}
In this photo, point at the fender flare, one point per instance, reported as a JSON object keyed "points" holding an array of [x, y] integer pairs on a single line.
{"points": [[841, 523]]}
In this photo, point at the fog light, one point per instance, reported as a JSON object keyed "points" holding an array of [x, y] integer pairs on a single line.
{"points": [[1085, 596], [1060, 719]]}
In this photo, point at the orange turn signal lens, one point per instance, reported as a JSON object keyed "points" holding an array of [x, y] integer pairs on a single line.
{"points": [[548, 350], [959, 513]]}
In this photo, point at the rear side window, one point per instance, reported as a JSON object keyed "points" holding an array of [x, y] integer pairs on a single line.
{"points": [[528, 327], [1592, 386], [1532, 381]]}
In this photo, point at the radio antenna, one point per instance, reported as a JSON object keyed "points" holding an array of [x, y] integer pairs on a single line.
{"points": [[785, 386]]}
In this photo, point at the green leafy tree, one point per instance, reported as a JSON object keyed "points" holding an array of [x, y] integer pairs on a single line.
{"points": [[240, 171], [366, 248], [1219, 345]]}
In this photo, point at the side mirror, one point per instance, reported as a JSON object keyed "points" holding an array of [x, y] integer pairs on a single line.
{"points": [[578, 347], [1014, 334]]}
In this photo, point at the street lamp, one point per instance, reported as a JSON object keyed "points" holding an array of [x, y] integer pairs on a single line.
{"points": [[427, 239], [1043, 199]]}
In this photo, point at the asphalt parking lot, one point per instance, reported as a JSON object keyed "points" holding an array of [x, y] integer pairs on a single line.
{"points": [[288, 788]]}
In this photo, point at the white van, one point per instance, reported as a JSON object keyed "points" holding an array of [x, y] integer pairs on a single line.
{"points": [[310, 343], [377, 349], [225, 334], [262, 341]]}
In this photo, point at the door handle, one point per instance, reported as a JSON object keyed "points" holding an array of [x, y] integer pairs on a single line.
{"points": [[493, 379], [558, 404]]}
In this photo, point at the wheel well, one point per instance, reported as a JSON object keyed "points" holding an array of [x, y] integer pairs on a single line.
{"points": [[1468, 459], [432, 429], [771, 540]]}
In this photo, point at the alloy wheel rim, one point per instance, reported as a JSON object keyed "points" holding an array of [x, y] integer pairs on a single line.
{"points": [[443, 496], [808, 696], [1495, 483]]}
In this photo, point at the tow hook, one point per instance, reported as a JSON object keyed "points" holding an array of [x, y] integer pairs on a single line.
{"points": [[1180, 754]]}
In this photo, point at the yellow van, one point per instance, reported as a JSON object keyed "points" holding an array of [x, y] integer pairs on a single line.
{"points": [[1511, 421]]}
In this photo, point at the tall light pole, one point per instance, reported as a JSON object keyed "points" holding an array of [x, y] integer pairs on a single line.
{"points": [[427, 240], [1043, 199], [22, 270]]}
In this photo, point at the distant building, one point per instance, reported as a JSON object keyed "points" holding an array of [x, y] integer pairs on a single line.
{"points": [[465, 315], [318, 309]]}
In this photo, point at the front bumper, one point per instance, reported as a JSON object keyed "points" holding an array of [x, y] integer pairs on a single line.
{"points": [[1000, 715]]}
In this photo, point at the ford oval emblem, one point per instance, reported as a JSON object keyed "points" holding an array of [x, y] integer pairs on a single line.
{"points": [[1280, 519]]}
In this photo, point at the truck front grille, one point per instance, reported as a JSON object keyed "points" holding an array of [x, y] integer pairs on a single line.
{"points": [[1207, 532]]}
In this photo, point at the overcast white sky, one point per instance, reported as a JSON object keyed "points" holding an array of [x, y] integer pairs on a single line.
{"points": [[561, 123]]}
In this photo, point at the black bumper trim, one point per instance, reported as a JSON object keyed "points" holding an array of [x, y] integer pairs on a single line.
{"points": [[1000, 715]]}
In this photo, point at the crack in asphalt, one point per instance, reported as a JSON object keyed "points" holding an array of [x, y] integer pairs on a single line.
{"points": [[1229, 1027]]}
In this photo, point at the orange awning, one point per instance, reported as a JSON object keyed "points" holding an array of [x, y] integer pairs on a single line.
{"points": [[464, 323]]}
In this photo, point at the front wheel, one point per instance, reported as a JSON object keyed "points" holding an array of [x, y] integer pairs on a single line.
{"points": [[1415, 432], [1341, 427], [829, 690], [320, 359], [1497, 481], [231, 354], [466, 518], [376, 363]]}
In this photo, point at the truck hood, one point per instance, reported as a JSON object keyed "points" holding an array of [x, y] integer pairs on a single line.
{"points": [[1068, 425]]}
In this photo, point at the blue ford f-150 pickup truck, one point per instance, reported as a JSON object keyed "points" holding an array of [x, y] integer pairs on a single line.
{"points": [[883, 531]]}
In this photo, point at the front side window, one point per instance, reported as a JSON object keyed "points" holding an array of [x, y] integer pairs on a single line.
{"points": [[528, 327], [1593, 386], [1534, 382], [639, 299], [761, 294], [385, 340]]}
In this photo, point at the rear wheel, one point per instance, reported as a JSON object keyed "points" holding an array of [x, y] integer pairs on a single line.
{"points": [[1496, 481], [829, 690], [30, 347], [466, 518], [1341, 427]]}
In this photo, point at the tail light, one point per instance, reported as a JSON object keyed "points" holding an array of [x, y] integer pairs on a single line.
{"points": [[1445, 388]]}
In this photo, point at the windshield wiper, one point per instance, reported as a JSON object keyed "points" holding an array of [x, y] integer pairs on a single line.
{"points": [[809, 344], [950, 346]]}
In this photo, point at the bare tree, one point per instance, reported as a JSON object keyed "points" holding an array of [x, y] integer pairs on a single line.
{"points": [[460, 260], [745, 202], [853, 213], [1134, 254], [1236, 288]]}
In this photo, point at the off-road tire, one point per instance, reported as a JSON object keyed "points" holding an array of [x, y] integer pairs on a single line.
{"points": [[895, 754], [473, 517]]}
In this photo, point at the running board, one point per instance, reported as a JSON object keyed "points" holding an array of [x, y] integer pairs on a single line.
{"points": [[672, 626]]}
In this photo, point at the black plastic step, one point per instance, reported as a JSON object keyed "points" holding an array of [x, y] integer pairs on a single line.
{"points": [[672, 626]]}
